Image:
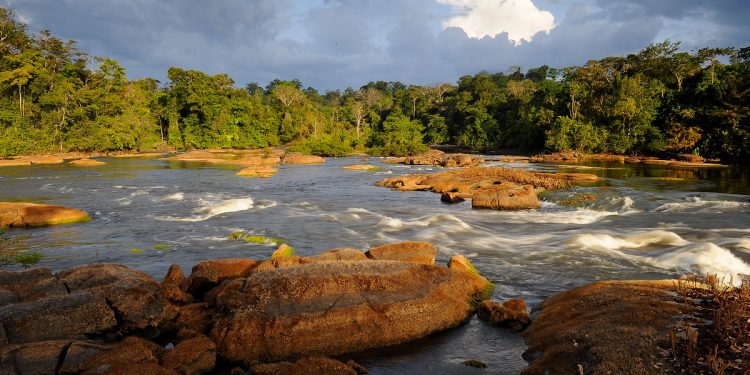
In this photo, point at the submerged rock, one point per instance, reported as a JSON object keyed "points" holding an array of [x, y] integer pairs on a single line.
{"points": [[336, 308], [512, 314], [17, 214], [262, 171], [87, 163]]}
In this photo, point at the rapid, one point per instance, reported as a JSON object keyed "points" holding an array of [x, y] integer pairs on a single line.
{"points": [[639, 223]]}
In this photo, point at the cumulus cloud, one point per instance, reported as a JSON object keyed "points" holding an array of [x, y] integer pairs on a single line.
{"points": [[520, 19]]}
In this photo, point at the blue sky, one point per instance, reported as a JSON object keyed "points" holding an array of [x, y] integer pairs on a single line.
{"points": [[330, 44]]}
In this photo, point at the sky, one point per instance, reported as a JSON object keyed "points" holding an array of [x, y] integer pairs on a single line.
{"points": [[334, 44]]}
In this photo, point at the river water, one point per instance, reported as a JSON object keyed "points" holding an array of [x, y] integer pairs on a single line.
{"points": [[644, 222]]}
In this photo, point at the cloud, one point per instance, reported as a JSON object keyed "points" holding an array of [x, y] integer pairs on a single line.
{"points": [[520, 19], [332, 44]]}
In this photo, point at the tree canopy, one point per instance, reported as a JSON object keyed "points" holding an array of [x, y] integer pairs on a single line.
{"points": [[660, 100]]}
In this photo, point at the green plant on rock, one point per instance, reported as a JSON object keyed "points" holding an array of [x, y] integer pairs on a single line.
{"points": [[12, 254]]}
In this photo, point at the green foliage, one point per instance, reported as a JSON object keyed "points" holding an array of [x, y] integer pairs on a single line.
{"points": [[569, 134], [400, 136], [335, 144], [54, 98], [12, 252]]}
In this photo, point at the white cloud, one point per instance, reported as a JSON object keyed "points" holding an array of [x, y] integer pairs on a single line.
{"points": [[521, 19]]}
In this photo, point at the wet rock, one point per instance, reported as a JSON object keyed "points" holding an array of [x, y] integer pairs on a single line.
{"points": [[310, 366], [512, 197], [193, 356], [134, 296], [55, 317], [97, 357], [282, 262], [210, 273], [17, 214], [29, 285], [262, 171], [361, 167], [87, 163], [451, 198], [171, 286], [334, 308], [32, 358], [298, 158], [475, 363], [414, 252], [512, 314]]}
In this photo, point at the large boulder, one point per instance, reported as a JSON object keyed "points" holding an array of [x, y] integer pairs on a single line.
{"points": [[29, 285], [609, 327], [513, 197], [338, 307], [56, 317], [134, 296], [18, 214], [412, 251]]}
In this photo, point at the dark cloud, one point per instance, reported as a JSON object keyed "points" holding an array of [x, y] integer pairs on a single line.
{"points": [[339, 43]]}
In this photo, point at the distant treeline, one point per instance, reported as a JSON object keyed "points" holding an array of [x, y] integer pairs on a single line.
{"points": [[658, 101]]}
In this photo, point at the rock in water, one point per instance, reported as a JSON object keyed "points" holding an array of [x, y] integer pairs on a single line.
{"points": [[512, 314], [339, 307], [511, 198], [298, 158], [87, 162], [17, 214]]}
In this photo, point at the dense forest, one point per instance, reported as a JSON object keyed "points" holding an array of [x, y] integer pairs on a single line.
{"points": [[658, 101]]}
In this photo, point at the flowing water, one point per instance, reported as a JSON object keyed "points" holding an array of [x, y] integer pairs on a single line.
{"points": [[644, 222]]}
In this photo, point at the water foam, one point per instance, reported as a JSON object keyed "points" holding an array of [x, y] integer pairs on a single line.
{"points": [[454, 222], [174, 197], [210, 210], [608, 242], [704, 258], [700, 205]]}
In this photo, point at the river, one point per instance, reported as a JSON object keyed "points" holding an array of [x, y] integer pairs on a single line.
{"points": [[644, 222]]}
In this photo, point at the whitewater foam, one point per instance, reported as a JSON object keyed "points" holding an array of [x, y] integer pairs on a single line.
{"points": [[700, 205], [210, 210], [454, 222], [607, 242], [705, 258], [174, 197]]}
